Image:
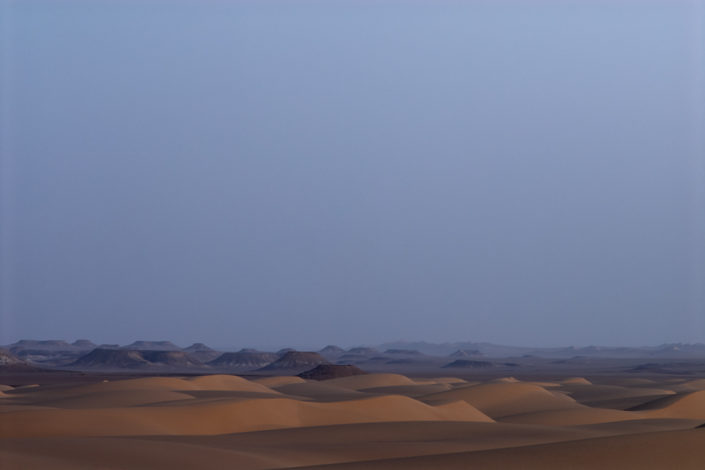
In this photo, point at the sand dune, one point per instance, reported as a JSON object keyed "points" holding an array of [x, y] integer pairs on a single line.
{"points": [[296, 447], [279, 380], [365, 421], [576, 380], [228, 382], [320, 391], [225, 416], [441, 380], [111, 399], [505, 398], [410, 390], [613, 396], [573, 416], [361, 382], [689, 405], [506, 380], [689, 386], [635, 382], [678, 449], [124, 453]]}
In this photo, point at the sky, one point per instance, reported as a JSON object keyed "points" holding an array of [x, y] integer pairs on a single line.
{"points": [[299, 173]]}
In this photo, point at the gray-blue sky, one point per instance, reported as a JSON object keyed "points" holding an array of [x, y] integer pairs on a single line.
{"points": [[301, 173]]}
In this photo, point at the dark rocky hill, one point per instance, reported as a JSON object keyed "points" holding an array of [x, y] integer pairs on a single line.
{"points": [[331, 371], [197, 347], [244, 359]]}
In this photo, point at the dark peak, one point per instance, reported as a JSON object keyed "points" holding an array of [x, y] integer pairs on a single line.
{"points": [[283, 351], [331, 371], [198, 347], [249, 350]]}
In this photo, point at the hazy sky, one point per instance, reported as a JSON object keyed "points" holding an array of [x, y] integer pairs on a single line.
{"points": [[351, 172]]}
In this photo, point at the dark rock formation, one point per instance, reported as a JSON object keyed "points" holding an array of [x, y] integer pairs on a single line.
{"points": [[331, 371], [244, 359]]}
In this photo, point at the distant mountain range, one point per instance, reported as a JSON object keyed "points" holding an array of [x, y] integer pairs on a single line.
{"points": [[84, 354], [684, 350]]}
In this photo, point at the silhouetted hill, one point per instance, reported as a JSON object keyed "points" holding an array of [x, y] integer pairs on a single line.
{"points": [[244, 359], [198, 347], [331, 371], [332, 351], [296, 360], [201, 352]]}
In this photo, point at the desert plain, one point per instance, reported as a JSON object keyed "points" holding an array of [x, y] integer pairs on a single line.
{"points": [[586, 414]]}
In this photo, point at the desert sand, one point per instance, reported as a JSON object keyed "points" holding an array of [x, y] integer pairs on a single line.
{"points": [[372, 421]]}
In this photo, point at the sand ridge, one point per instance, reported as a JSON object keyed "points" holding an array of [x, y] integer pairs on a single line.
{"points": [[382, 420]]}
